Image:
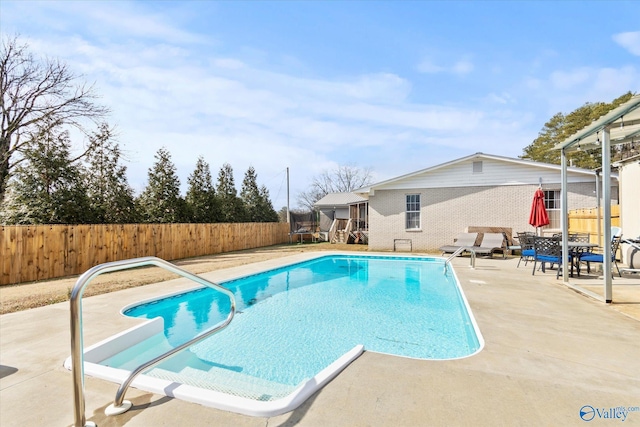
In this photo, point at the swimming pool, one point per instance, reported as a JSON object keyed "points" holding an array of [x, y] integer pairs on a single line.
{"points": [[297, 327]]}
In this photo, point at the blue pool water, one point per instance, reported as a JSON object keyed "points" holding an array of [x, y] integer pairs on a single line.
{"points": [[294, 321]]}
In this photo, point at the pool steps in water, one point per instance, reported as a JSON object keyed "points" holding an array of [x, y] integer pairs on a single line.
{"points": [[226, 381]]}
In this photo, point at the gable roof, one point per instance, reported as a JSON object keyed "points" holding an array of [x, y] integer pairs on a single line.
{"points": [[473, 157], [339, 199]]}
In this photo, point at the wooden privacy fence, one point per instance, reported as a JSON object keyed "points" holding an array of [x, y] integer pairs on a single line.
{"points": [[38, 252], [586, 221]]}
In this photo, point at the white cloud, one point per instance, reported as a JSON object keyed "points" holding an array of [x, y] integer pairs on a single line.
{"points": [[230, 63], [500, 98], [565, 90], [428, 67], [171, 88], [461, 67], [249, 116], [533, 83], [615, 81], [565, 80], [383, 87], [629, 40]]}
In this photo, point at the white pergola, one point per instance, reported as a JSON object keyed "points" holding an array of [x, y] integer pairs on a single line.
{"points": [[620, 125]]}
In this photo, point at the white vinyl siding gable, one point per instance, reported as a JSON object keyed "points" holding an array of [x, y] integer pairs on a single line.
{"points": [[494, 173]]}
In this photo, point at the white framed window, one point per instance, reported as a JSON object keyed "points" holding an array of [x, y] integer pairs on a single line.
{"points": [[552, 204], [413, 212]]}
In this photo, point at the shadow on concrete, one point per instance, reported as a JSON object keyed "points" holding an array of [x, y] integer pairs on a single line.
{"points": [[299, 413], [139, 404], [5, 371]]}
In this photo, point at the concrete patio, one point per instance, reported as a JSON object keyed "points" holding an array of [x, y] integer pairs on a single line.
{"points": [[549, 351]]}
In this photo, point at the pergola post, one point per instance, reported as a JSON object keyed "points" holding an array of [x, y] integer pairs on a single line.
{"points": [[564, 217], [606, 215]]}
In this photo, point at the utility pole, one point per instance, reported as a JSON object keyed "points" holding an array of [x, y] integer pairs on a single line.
{"points": [[288, 211]]}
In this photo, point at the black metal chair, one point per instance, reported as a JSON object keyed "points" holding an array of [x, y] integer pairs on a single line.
{"points": [[590, 257], [548, 249], [580, 237], [527, 250]]}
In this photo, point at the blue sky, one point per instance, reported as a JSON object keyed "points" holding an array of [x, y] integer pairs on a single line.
{"points": [[394, 86]]}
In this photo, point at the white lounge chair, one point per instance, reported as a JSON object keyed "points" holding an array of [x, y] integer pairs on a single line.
{"points": [[491, 242], [463, 240]]}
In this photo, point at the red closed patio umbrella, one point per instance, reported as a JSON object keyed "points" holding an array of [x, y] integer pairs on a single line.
{"points": [[538, 216]]}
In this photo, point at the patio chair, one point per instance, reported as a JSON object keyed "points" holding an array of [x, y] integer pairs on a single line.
{"points": [[616, 232], [491, 242], [580, 237], [590, 257], [526, 247], [463, 240], [548, 249]]}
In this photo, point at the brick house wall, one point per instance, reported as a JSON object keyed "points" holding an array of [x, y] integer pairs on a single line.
{"points": [[446, 212]]}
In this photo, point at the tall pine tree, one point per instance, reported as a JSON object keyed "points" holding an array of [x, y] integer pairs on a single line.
{"points": [[202, 202], [47, 187], [160, 201], [269, 214], [256, 200], [111, 196], [250, 195], [231, 206]]}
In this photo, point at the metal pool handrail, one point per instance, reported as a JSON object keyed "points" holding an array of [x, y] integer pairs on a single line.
{"points": [[77, 353], [457, 252]]}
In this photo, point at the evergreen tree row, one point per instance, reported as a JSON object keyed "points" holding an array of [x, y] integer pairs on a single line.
{"points": [[50, 187]]}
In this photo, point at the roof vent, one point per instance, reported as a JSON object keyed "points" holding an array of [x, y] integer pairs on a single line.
{"points": [[477, 167]]}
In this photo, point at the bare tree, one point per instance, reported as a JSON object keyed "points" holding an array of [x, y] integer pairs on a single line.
{"points": [[342, 179], [37, 92]]}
